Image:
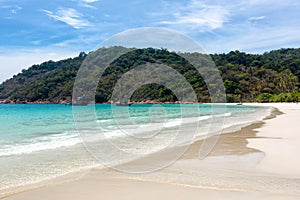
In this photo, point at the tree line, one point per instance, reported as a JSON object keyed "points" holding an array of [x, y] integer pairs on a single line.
{"points": [[269, 77]]}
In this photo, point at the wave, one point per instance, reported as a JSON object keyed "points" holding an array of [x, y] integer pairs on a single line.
{"points": [[142, 129], [51, 142], [40, 144], [103, 120], [173, 123]]}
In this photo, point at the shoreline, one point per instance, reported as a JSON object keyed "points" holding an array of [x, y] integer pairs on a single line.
{"points": [[57, 179], [137, 103], [190, 153], [280, 141], [237, 144]]}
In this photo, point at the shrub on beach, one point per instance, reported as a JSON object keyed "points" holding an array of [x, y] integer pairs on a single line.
{"points": [[283, 97]]}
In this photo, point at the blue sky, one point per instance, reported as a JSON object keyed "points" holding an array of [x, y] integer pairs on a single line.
{"points": [[33, 31]]}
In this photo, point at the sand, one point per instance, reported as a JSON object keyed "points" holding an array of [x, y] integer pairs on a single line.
{"points": [[260, 161], [279, 139], [127, 189]]}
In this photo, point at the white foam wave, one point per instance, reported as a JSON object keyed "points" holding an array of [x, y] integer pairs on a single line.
{"points": [[135, 130], [173, 123], [103, 120], [204, 117], [223, 115], [40, 144]]}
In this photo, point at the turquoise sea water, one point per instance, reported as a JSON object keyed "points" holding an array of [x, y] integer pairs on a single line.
{"points": [[39, 142]]}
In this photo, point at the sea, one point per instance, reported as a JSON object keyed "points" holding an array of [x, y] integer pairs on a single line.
{"points": [[40, 142]]}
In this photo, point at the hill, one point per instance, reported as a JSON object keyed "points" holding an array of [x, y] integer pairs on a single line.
{"points": [[272, 76]]}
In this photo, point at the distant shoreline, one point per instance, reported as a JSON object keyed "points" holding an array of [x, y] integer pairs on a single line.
{"points": [[142, 102]]}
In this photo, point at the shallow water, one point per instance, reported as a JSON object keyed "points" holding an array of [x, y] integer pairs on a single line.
{"points": [[39, 142]]}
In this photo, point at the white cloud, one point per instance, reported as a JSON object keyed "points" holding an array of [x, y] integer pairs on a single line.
{"points": [[13, 9], [82, 42], [196, 15], [257, 18], [69, 16], [89, 1], [254, 40], [16, 9], [155, 38], [270, 39], [221, 26], [269, 2]]}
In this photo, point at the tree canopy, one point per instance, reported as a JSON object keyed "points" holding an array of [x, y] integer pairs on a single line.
{"points": [[270, 77]]}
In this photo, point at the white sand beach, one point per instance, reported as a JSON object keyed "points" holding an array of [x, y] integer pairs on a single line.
{"points": [[279, 139], [261, 161]]}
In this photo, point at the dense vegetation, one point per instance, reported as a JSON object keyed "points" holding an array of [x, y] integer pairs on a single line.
{"points": [[270, 77]]}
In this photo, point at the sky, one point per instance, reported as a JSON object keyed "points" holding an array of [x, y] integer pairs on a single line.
{"points": [[33, 31]]}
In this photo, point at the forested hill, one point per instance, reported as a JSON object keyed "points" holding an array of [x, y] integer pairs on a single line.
{"points": [[272, 76]]}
